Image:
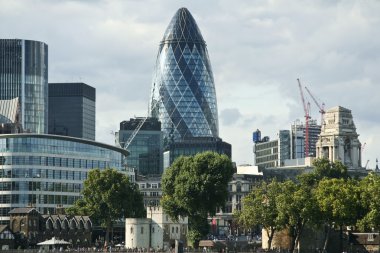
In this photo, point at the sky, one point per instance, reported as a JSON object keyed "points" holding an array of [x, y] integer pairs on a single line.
{"points": [[257, 50]]}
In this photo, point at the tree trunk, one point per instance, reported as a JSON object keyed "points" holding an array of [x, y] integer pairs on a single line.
{"points": [[340, 238], [108, 229], [327, 238], [293, 235], [270, 234]]}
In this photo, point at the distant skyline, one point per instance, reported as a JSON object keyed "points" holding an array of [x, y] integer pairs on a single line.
{"points": [[257, 50]]}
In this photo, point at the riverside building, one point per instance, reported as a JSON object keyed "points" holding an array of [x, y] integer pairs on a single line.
{"points": [[45, 171]]}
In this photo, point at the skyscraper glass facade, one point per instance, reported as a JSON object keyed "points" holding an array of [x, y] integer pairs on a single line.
{"points": [[183, 93], [146, 149], [49, 170], [24, 74], [72, 110]]}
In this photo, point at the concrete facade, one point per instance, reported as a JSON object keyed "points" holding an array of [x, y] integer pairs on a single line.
{"points": [[338, 140]]}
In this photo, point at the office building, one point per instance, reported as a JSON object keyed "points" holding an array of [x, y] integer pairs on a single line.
{"points": [[72, 110], [298, 130], [48, 170], [24, 75], [145, 148], [269, 153], [197, 145], [183, 94]]}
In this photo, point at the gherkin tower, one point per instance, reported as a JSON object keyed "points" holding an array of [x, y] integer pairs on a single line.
{"points": [[183, 92]]}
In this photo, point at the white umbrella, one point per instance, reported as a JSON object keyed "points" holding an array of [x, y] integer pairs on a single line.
{"points": [[54, 241]]}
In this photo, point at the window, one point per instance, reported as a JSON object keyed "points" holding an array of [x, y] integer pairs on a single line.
{"points": [[131, 230], [142, 230]]}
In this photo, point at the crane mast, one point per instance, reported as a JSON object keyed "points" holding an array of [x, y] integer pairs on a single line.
{"points": [[306, 108], [321, 108]]}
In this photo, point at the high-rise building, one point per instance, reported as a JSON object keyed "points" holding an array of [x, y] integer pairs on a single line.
{"points": [[146, 150], [183, 94], [298, 138], [24, 75], [72, 110]]}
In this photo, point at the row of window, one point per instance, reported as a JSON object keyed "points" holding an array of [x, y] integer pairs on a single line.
{"points": [[36, 199], [56, 162], [43, 173], [40, 186], [55, 146]]}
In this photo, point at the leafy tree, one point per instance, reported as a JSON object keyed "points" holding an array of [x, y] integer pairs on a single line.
{"points": [[195, 187], [338, 200], [296, 206], [370, 201], [260, 208], [108, 195]]}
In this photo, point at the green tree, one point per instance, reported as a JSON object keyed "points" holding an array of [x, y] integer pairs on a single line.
{"points": [[195, 187], [296, 206], [326, 168], [339, 202], [260, 209], [370, 201], [108, 195]]}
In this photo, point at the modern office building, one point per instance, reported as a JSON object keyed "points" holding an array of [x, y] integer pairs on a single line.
{"points": [[197, 145], [72, 110], [24, 75], [146, 147], [183, 94], [298, 130], [48, 170], [269, 153]]}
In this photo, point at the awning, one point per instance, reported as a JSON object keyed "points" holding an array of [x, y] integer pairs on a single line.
{"points": [[54, 241]]}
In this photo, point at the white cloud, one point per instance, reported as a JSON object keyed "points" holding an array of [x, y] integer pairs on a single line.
{"points": [[257, 50]]}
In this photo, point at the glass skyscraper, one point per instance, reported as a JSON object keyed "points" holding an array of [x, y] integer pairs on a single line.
{"points": [[145, 148], [72, 110], [24, 75], [183, 93]]}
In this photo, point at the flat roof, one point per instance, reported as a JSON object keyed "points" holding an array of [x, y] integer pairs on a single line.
{"points": [[66, 138]]}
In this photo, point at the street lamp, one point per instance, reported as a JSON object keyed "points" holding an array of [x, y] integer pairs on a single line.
{"points": [[150, 225]]}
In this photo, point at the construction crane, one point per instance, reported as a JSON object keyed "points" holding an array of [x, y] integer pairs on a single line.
{"points": [[362, 150], [134, 133], [366, 164], [321, 108], [306, 108]]}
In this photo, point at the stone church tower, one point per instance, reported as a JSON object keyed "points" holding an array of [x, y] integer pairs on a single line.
{"points": [[338, 139]]}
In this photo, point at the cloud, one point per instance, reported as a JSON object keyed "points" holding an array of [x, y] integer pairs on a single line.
{"points": [[230, 116], [257, 50]]}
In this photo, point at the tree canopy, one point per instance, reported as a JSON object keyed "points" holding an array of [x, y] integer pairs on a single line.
{"points": [[260, 208], [108, 195], [195, 187]]}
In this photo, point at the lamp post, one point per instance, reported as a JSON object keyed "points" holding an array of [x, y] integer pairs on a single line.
{"points": [[150, 225]]}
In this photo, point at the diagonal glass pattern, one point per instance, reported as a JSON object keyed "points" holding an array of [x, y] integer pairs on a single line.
{"points": [[183, 92]]}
